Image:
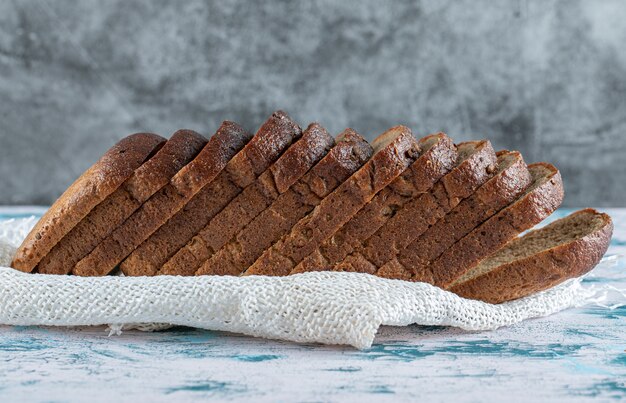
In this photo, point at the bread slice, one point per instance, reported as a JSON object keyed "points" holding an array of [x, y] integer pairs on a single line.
{"points": [[541, 259], [510, 180], [90, 189], [117, 207], [438, 156], [272, 138], [349, 154], [394, 151], [542, 197], [224, 144], [277, 179], [476, 163]]}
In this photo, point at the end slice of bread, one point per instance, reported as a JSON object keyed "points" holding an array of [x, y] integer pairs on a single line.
{"points": [[89, 190], [540, 259]]}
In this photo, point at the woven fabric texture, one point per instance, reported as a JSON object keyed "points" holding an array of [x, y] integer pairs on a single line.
{"points": [[322, 307]]}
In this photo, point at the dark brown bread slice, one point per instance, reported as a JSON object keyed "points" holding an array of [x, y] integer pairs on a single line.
{"points": [[475, 165], [90, 189], [541, 259], [510, 180], [117, 207], [276, 180], [394, 151], [224, 144], [437, 157], [348, 155], [542, 197], [272, 138]]}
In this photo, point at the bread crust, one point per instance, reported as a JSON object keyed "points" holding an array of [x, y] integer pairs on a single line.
{"points": [[276, 180], [511, 179], [350, 152], [224, 144], [90, 189], [437, 157], [528, 210], [117, 207], [272, 138], [395, 149], [543, 270]]}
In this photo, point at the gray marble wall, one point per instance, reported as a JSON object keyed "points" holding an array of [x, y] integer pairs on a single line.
{"points": [[545, 77]]}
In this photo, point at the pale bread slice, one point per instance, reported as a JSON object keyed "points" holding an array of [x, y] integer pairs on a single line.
{"points": [[540, 259]]}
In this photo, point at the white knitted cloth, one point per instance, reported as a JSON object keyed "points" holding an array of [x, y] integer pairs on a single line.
{"points": [[324, 307]]}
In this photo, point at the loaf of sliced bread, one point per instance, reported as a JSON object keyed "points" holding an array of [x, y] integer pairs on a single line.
{"points": [[285, 201], [542, 197], [89, 190], [510, 180], [539, 260], [117, 207], [437, 157], [394, 151], [272, 138], [277, 179], [224, 144], [349, 154]]}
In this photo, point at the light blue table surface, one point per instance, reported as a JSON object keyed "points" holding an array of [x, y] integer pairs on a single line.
{"points": [[575, 355]]}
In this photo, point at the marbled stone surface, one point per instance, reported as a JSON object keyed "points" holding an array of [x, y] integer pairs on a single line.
{"points": [[545, 77]]}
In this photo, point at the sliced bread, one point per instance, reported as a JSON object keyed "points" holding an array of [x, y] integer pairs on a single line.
{"points": [[276, 180], [117, 207], [224, 144], [437, 157], [272, 138], [510, 180], [89, 190], [541, 259], [542, 197], [394, 151], [349, 154], [475, 164]]}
